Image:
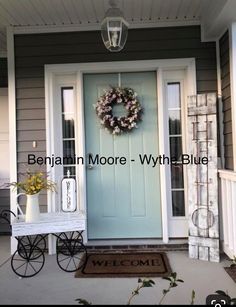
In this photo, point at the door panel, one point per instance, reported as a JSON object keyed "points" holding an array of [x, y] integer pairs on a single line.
{"points": [[123, 201]]}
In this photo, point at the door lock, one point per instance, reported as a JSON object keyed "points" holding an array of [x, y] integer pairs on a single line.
{"points": [[90, 166]]}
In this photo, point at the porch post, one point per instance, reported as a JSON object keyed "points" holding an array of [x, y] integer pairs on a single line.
{"points": [[232, 59], [202, 178], [12, 122]]}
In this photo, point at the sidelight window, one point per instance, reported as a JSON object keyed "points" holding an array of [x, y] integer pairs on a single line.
{"points": [[175, 148]]}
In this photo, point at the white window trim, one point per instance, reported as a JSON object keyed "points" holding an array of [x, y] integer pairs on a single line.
{"points": [[177, 224], [183, 118], [105, 67]]}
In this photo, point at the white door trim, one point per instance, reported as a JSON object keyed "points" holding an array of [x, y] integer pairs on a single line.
{"points": [[177, 225], [124, 66], [162, 146], [104, 67]]}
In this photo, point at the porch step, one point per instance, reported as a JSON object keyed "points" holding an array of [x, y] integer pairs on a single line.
{"points": [[151, 247]]}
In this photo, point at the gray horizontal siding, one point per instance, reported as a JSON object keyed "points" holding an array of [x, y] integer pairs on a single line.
{"points": [[30, 125], [30, 114], [36, 135], [77, 38], [22, 166], [32, 52], [23, 156], [26, 146], [226, 99], [25, 93], [85, 48], [3, 72], [23, 83], [30, 103], [4, 196], [4, 205]]}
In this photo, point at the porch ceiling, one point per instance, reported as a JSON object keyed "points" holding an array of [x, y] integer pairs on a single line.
{"points": [[87, 14]]}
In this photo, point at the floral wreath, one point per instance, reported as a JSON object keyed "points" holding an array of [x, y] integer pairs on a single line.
{"points": [[127, 97]]}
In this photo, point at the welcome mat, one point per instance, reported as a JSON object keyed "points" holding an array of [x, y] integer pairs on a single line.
{"points": [[133, 264]]}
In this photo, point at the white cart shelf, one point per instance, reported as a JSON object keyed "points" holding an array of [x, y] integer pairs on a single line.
{"points": [[49, 223], [29, 258]]}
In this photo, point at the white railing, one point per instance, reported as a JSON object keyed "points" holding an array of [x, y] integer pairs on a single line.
{"points": [[228, 204]]}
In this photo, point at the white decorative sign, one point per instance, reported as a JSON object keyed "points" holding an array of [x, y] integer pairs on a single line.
{"points": [[202, 179], [68, 188]]}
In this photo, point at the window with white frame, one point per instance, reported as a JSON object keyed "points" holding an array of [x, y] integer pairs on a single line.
{"points": [[68, 130], [175, 148]]}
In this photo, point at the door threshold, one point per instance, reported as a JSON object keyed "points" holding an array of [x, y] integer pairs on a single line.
{"points": [[149, 243]]}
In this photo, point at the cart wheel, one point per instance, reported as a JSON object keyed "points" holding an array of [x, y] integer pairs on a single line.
{"points": [[29, 265], [71, 253], [26, 246]]}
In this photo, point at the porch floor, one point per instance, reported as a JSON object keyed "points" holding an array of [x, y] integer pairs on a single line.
{"points": [[53, 286]]}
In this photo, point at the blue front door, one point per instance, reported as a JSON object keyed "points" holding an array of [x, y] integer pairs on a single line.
{"points": [[123, 201]]}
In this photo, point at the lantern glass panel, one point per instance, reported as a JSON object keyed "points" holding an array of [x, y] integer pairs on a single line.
{"points": [[114, 33]]}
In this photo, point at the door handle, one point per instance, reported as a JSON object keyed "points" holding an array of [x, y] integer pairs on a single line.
{"points": [[90, 166]]}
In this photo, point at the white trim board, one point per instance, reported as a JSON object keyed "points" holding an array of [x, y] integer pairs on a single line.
{"points": [[12, 122], [162, 146], [123, 66], [97, 27], [52, 71]]}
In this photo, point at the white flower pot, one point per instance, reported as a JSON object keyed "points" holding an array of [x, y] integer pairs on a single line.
{"points": [[32, 208]]}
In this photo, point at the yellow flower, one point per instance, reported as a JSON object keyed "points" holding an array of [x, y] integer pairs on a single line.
{"points": [[34, 182]]}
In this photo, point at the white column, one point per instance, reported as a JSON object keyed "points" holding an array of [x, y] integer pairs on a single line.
{"points": [[12, 121]]}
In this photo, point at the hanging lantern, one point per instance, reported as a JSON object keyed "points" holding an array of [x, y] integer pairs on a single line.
{"points": [[114, 29]]}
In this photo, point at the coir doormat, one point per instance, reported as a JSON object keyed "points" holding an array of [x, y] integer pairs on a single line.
{"points": [[138, 264]]}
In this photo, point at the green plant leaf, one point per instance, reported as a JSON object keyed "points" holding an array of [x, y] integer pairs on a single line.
{"points": [[174, 285], [82, 301], [193, 295], [147, 284], [165, 291], [220, 292], [174, 275], [140, 280], [166, 278], [180, 280], [233, 301]]}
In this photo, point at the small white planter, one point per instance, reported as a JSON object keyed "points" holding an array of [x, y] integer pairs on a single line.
{"points": [[32, 208]]}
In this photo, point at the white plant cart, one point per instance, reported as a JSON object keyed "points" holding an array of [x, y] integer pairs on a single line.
{"points": [[29, 258]]}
